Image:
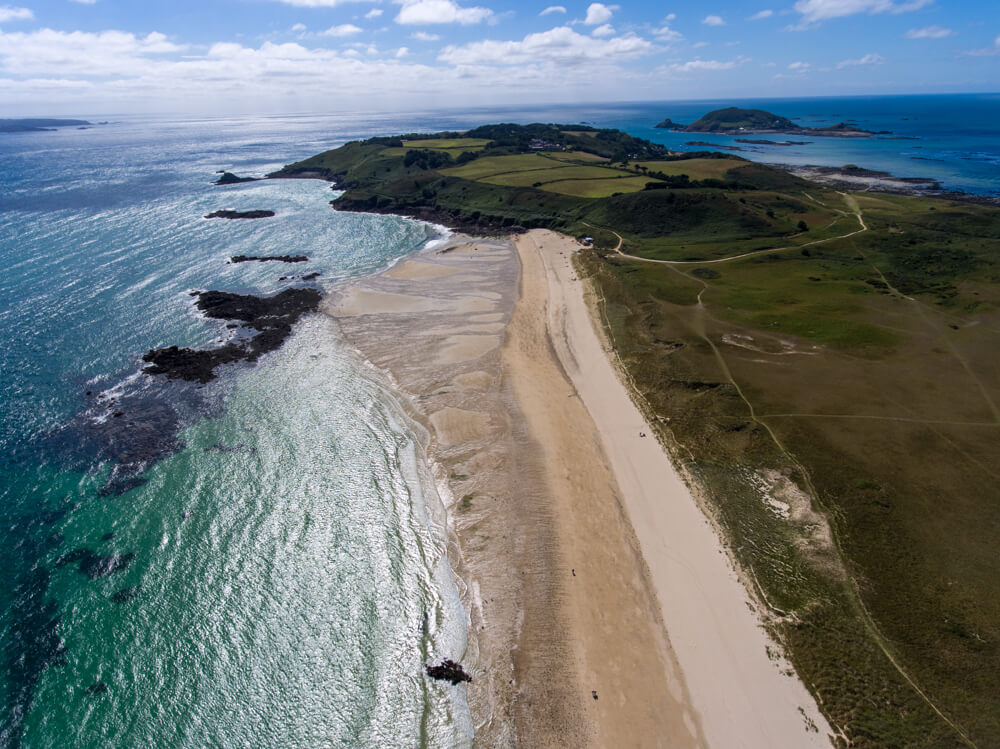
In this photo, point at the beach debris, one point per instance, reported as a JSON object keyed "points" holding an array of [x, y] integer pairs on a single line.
{"points": [[593, 693], [448, 670]]}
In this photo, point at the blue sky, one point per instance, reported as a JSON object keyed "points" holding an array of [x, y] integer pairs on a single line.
{"points": [[61, 56]]}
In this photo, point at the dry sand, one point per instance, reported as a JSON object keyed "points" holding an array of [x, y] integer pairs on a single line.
{"points": [[742, 697], [537, 442]]}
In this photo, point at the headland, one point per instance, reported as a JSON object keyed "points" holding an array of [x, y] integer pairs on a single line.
{"points": [[759, 320]]}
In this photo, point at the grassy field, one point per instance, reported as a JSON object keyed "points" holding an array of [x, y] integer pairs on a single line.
{"points": [[550, 174], [840, 408], [694, 168], [575, 156], [461, 144], [597, 188], [489, 166], [553, 172]]}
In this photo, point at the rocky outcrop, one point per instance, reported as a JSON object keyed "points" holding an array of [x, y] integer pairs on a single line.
{"points": [[448, 670], [240, 214], [228, 178], [271, 317], [268, 258]]}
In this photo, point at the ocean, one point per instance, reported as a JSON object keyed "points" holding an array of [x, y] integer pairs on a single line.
{"points": [[271, 571]]}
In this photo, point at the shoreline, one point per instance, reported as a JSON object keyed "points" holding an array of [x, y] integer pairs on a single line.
{"points": [[563, 586]]}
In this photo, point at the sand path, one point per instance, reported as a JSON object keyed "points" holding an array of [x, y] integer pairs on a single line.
{"points": [[742, 697]]}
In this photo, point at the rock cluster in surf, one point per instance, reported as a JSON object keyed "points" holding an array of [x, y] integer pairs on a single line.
{"points": [[272, 317]]}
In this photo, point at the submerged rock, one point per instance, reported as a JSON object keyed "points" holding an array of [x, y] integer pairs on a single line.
{"points": [[97, 688], [125, 594], [448, 670]]}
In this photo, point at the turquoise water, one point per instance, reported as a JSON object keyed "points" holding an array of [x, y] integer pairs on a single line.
{"points": [[289, 579]]}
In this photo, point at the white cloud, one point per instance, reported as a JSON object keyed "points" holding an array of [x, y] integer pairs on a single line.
{"points": [[670, 17], [48, 52], [85, 2], [987, 51], [693, 66], [7, 13], [699, 45], [798, 67], [814, 11], [761, 14], [402, 52], [929, 32], [373, 13], [423, 36], [299, 27], [296, 3], [598, 13], [423, 12], [667, 34], [605, 30], [344, 29], [553, 9], [869, 59], [559, 45], [713, 21]]}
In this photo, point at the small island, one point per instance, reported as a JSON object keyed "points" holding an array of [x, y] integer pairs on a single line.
{"points": [[36, 125], [240, 214], [228, 178], [738, 121]]}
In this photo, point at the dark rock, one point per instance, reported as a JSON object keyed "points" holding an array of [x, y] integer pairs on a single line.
{"points": [[272, 318], [108, 537], [448, 670], [124, 595], [669, 124], [97, 688], [228, 178], [311, 276], [241, 214], [266, 258]]}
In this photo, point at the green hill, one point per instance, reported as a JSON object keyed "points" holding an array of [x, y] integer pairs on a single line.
{"points": [[734, 118]]}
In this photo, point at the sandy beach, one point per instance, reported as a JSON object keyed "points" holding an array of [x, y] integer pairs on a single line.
{"points": [[602, 608]]}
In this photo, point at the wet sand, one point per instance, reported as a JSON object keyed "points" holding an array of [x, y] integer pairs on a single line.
{"points": [[564, 599]]}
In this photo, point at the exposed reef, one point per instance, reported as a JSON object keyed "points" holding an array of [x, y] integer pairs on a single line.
{"points": [[240, 214], [268, 258], [272, 318], [448, 670]]}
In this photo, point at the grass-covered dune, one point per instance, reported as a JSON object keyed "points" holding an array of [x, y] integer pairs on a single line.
{"points": [[825, 365]]}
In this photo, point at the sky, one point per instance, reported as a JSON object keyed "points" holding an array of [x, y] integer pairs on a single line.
{"points": [[270, 56]]}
